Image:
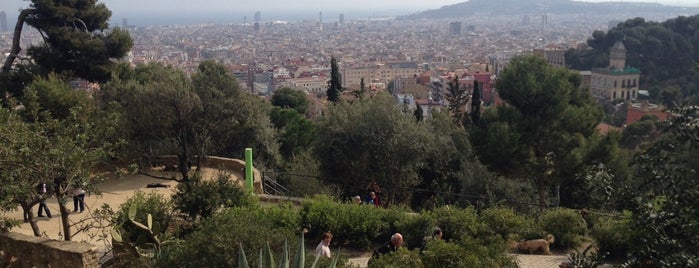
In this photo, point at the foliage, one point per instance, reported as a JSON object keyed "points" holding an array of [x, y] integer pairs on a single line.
{"points": [[544, 127], [60, 152], [302, 176], [663, 198], [216, 242], [204, 197], [457, 97], [566, 225], [588, 258], [613, 235], [335, 85], [665, 52], [476, 101], [371, 139], [505, 223], [296, 132], [444, 254], [166, 112], [152, 205], [292, 99], [402, 258], [456, 223], [352, 225]]}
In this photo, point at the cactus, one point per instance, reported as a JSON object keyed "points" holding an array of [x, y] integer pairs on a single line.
{"points": [[242, 260], [267, 260], [120, 236]]}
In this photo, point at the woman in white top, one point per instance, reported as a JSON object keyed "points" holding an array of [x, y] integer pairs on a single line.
{"points": [[323, 248]]}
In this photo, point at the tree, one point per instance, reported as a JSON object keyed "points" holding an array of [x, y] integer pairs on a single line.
{"points": [[541, 133], [476, 103], [663, 198], [296, 132], [457, 97], [419, 113], [77, 41], [371, 139], [335, 84], [289, 98], [59, 152], [164, 112]]}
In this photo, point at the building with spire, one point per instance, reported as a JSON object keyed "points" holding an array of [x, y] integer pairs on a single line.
{"points": [[616, 82]]}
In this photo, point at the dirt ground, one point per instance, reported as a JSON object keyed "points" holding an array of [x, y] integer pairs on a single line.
{"points": [[113, 192]]}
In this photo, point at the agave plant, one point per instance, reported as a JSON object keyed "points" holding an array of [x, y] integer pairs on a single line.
{"points": [[267, 259]]}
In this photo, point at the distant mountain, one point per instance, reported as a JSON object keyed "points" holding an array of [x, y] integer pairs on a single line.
{"points": [[520, 7]]}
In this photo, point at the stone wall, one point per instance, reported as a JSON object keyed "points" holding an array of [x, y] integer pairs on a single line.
{"points": [[30, 251]]}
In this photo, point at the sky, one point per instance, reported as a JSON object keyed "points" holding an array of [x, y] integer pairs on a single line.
{"points": [[237, 9], [118, 6]]}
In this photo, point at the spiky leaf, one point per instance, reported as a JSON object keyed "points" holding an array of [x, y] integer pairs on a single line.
{"points": [[337, 257], [267, 257], [300, 258], [242, 260], [284, 259]]}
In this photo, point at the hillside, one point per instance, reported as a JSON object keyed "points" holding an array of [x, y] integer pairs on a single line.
{"points": [[521, 7]]}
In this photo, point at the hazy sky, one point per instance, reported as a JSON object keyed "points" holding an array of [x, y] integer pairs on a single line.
{"points": [[121, 6]]}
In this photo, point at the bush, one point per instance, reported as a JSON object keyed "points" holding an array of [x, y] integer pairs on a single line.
{"points": [[351, 225], [414, 227], [215, 242], [506, 223], [456, 222], [201, 198], [444, 254], [402, 258], [566, 225], [613, 235]]}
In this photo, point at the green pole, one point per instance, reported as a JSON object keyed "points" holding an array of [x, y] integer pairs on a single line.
{"points": [[248, 169]]}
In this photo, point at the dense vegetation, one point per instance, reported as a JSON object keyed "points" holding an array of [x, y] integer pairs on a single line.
{"points": [[666, 52]]}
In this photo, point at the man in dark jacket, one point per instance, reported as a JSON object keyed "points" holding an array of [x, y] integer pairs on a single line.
{"points": [[394, 244]]}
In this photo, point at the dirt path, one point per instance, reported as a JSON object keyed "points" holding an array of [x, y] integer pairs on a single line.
{"points": [[114, 193]]}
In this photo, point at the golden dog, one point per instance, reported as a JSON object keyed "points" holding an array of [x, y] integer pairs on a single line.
{"points": [[537, 244]]}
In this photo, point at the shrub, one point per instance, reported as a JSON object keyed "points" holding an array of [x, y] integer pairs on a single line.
{"points": [[566, 225], [506, 223], [201, 198], [456, 222], [353, 225], [402, 258], [215, 242], [444, 254], [414, 227], [613, 235]]}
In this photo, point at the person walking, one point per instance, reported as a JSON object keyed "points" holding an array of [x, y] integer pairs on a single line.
{"points": [[323, 248], [78, 199], [43, 194], [391, 246]]}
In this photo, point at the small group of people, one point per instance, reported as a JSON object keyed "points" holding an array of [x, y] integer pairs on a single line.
{"points": [[44, 192], [372, 197]]}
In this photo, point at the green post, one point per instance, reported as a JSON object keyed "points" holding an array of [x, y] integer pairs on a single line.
{"points": [[248, 169]]}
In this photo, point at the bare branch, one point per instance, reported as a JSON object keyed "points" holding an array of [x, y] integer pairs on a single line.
{"points": [[14, 52]]}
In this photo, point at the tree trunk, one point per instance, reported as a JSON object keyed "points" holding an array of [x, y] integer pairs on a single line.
{"points": [[541, 189], [65, 213], [14, 52], [27, 210]]}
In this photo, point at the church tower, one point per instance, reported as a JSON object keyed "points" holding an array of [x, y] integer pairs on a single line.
{"points": [[617, 56]]}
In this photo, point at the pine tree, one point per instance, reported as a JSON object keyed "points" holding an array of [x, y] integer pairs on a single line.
{"points": [[476, 103], [335, 85]]}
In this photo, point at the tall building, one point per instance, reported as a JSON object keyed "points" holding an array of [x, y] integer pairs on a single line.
{"points": [[544, 20], [258, 17], [342, 18], [616, 81], [455, 28], [320, 20], [124, 23], [3, 22]]}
